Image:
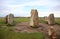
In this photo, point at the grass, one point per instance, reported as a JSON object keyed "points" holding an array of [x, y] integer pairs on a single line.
{"points": [[42, 21], [57, 21], [5, 33], [2, 21], [21, 19], [25, 19], [16, 20]]}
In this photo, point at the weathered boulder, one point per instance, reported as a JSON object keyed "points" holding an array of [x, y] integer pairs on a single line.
{"points": [[10, 19], [34, 20], [51, 19]]}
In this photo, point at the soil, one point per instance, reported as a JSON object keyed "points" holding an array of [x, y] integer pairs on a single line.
{"points": [[24, 27]]}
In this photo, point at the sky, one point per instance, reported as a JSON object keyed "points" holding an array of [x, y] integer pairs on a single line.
{"points": [[23, 7]]}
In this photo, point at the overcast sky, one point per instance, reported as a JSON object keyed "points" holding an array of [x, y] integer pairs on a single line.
{"points": [[23, 7]]}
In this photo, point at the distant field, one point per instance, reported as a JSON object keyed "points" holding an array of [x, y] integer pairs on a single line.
{"points": [[16, 20], [5, 33], [21, 19], [25, 19], [57, 21]]}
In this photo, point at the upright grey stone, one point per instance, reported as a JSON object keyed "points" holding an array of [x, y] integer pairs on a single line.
{"points": [[34, 20], [10, 19], [51, 19], [6, 19]]}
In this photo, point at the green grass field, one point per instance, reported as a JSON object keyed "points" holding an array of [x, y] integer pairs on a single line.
{"points": [[5, 33], [23, 19], [16, 20], [2, 21], [57, 21], [19, 20]]}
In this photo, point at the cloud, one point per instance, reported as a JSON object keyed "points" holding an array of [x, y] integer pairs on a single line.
{"points": [[56, 8], [23, 7]]}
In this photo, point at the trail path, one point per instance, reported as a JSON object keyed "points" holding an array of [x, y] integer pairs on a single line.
{"points": [[24, 27]]}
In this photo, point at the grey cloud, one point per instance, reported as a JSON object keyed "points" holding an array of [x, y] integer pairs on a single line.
{"points": [[56, 8]]}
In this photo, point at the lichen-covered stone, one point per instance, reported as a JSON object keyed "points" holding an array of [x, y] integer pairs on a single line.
{"points": [[6, 19], [34, 20], [51, 19], [10, 19]]}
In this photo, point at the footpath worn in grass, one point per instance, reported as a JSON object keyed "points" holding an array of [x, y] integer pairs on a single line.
{"points": [[5, 33]]}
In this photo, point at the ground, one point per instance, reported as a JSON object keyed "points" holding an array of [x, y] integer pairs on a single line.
{"points": [[24, 27]]}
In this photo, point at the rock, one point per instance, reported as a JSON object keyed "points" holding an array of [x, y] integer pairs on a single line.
{"points": [[10, 19], [34, 20], [51, 19]]}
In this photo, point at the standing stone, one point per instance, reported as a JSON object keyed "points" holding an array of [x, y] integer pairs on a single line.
{"points": [[6, 19], [34, 20], [52, 33], [51, 19], [10, 19]]}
